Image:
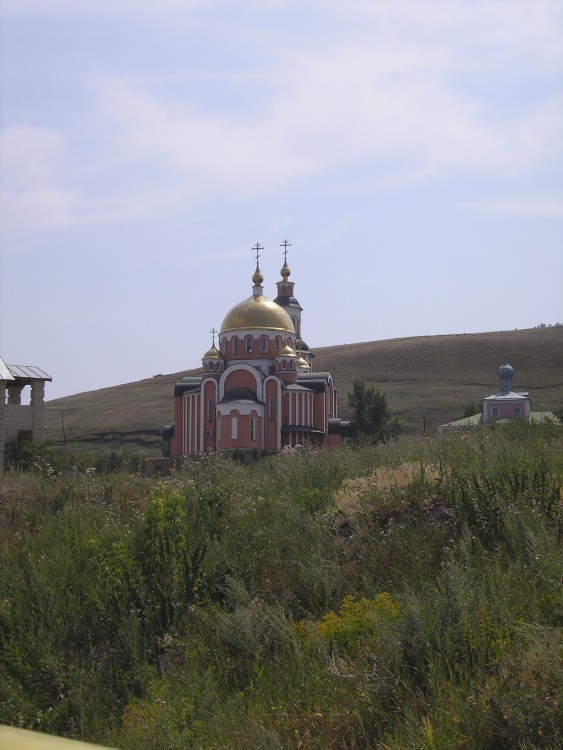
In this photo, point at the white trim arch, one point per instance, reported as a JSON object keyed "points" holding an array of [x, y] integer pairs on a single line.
{"points": [[258, 377]]}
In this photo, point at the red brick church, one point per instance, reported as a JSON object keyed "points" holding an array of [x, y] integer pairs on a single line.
{"points": [[257, 393]]}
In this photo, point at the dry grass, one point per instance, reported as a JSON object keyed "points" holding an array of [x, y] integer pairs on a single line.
{"points": [[359, 493]]}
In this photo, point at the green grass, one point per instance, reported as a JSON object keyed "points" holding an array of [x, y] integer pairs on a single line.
{"points": [[428, 380], [404, 596]]}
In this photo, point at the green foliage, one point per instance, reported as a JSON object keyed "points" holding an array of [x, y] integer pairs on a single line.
{"points": [[43, 458], [371, 420], [354, 620], [404, 596], [169, 555], [470, 409]]}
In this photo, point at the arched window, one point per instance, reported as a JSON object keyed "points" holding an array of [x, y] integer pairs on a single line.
{"points": [[248, 344], [272, 408], [234, 428], [210, 410], [235, 345], [284, 364], [264, 344], [252, 428], [278, 344]]}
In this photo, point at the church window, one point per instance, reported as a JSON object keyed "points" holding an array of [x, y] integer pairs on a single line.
{"points": [[284, 364], [235, 345], [495, 411], [248, 344], [272, 408], [517, 411], [264, 344], [210, 409], [234, 428], [506, 385], [252, 428], [278, 344]]}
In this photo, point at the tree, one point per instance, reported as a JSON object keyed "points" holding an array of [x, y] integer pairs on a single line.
{"points": [[470, 410], [371, 419]]}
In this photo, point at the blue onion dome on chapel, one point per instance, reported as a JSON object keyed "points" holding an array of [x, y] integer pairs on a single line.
{"points": [[505, 371]]}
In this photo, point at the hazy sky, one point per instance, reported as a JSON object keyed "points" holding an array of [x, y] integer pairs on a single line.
{"points": [[410, 151]]}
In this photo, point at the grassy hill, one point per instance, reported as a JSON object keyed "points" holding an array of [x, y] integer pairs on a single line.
{"points": [[428, 380]]}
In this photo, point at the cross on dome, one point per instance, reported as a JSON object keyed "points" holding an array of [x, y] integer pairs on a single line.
{"points": [[257, 279], [257, 247], [285, 244]]}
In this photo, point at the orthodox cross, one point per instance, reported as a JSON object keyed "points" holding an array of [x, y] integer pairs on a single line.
{"points": [[285, 244], [257, 247], [213, 332]]}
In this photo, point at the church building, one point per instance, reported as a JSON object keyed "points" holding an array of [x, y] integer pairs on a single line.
{"points": [[258, 392], [503, 406]]}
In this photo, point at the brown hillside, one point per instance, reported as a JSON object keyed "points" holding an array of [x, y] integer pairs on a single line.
{"points": [[427, 379]]}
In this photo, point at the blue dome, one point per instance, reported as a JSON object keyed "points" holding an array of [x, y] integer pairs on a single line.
{"points": [[505, 371]]}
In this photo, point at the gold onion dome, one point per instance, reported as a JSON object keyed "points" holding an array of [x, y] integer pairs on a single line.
{"points": [[287, 351], [212, 353], [257, 278], [302, 362], [285, 271], [257, 312]]}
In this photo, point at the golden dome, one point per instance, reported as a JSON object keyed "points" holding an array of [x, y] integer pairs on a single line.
{"points": [[257, 312], [257, 278], [287, 351], [212, 353]]}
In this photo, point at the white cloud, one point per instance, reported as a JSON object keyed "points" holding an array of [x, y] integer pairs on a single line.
{"points": [[535, 208], [49, 8], [213, 151], [398, 92], [520, 34], [356, 107], [30, 196], [34, 193]]}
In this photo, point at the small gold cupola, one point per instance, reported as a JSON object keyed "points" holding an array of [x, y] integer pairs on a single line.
{"points": [[302, 363], [286, 362], [212, 360], [287, 350]]}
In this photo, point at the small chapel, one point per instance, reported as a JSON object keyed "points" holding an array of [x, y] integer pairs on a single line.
{"points": [[257, 393], [503, 406]]}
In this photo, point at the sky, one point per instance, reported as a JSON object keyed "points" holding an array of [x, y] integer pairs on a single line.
{"points": [[411, 151]]}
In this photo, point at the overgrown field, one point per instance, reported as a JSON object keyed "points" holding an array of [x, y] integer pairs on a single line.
{"points": [[402, 596]]}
